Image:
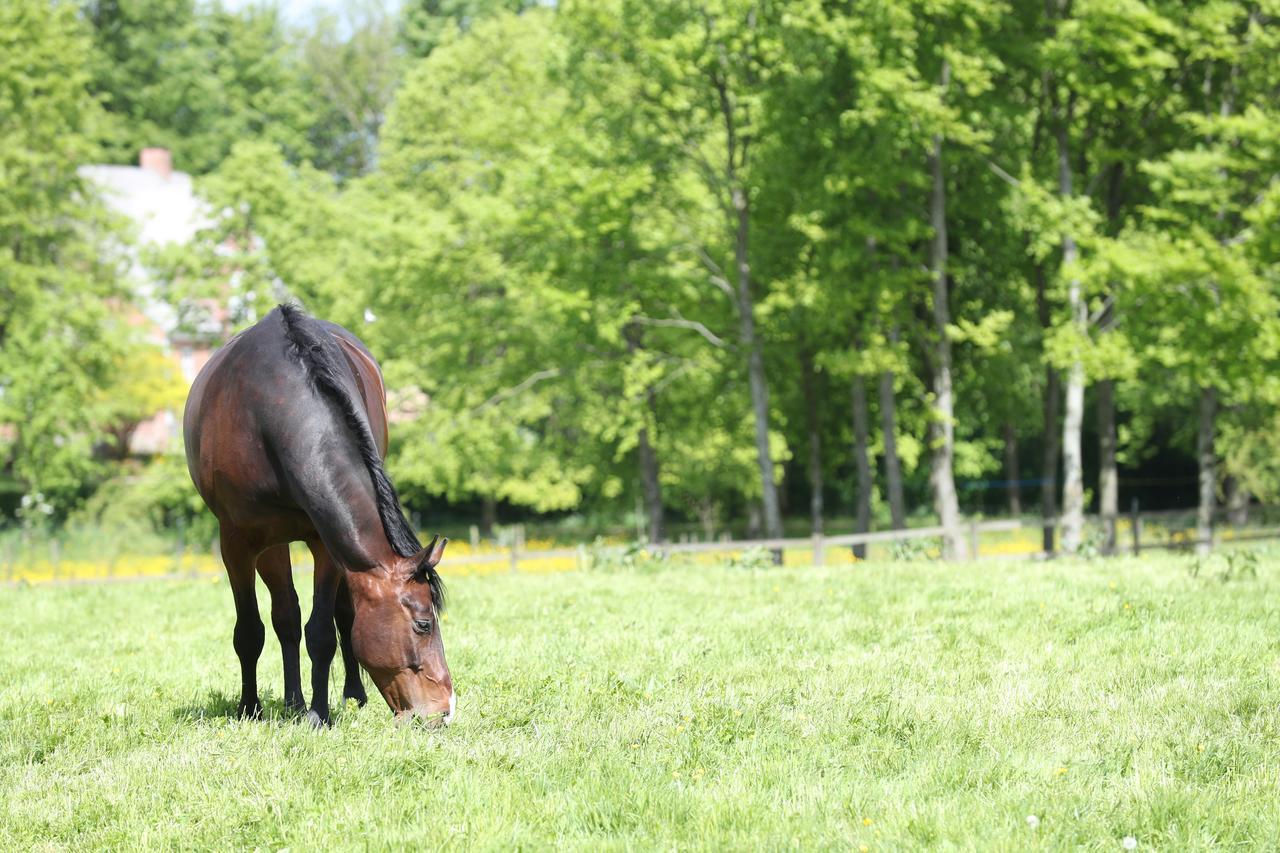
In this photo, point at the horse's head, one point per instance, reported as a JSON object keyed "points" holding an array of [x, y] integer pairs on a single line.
{"points": [[396, 635]]}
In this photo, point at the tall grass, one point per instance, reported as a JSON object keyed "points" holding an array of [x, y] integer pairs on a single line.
{"points": [[887, 706]]}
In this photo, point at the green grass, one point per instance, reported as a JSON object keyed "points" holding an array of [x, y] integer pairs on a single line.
{"points": [[892, 706]]}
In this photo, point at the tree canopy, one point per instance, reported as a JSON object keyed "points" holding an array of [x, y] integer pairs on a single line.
{"points": [[718, 259]]}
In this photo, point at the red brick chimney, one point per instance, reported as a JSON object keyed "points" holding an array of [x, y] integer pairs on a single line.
{"points": [[157, 160]]}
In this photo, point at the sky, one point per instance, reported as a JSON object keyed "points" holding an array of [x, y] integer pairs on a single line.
{"points": [[300, 11]]}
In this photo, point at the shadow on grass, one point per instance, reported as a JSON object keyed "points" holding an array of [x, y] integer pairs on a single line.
{"points": [[219, 705]]}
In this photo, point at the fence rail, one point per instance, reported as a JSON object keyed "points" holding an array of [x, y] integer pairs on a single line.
{"points": [[972, 529], [1129, 533]]}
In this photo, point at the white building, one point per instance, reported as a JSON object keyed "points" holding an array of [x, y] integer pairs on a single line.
{"points": [[164, 209]]}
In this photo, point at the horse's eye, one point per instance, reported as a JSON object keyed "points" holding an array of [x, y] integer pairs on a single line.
{"points": [[422, 626]]}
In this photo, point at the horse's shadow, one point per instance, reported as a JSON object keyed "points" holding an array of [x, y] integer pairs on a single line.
{"points": [[219, 705]]}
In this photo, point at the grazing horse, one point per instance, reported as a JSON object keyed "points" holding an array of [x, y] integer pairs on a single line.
{"points": [[286, 429]]}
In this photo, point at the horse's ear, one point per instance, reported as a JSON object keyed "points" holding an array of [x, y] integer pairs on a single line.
{"points": [[429, 557]]}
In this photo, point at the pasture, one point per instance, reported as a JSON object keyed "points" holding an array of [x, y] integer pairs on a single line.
{"points": [[881, 706]]}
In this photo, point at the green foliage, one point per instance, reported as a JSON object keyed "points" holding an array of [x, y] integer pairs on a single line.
{"points": [[60, 342], [156, 498], [428, 24], [351, 68], [614, 243], [195, 79]]}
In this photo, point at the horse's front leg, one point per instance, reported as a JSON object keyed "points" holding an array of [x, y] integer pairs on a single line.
{"points": [[344, 611], [322, 638]]}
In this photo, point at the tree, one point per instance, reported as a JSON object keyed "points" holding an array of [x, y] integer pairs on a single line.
{"points": [[1196, 264], [1101, 65], [351, 68], [706, 68], [427, 24], [58, 337], [195, 80]]}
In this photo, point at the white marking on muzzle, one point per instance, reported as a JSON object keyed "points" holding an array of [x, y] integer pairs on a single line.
{"points": [[453, 703]]}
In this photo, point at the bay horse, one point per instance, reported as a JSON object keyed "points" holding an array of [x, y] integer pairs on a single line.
{"points": [[286, 430]]}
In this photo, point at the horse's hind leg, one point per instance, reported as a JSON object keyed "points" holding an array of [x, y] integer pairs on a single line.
{"points": [[286, 618], [344, 614], [238, 556]]}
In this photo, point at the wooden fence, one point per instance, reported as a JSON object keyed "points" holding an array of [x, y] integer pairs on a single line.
{"points": [[1132, 533], [1155, 525]]}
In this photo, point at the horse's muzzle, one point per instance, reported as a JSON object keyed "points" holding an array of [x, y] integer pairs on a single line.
{"points": [[428, 717]]}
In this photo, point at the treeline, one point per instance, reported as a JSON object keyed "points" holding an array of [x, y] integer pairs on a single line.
{"points": [[688, 253]]}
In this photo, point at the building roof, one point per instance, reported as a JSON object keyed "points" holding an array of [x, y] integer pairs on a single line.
{"points": [[164, 210]]}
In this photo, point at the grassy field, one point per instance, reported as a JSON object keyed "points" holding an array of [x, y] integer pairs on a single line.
{"points": [[884, 706]]}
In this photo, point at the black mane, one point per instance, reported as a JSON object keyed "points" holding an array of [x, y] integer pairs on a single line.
{"points": [[325, 366]]}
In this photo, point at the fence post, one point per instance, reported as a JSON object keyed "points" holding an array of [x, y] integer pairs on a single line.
{"points": [[180, 546], [1135, 522], [475, 538], [973, 538], [1050, 531], [818, 550], [517, 544]]}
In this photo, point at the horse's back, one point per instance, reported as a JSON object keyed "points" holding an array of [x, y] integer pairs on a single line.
{"points": [[248, 399]]}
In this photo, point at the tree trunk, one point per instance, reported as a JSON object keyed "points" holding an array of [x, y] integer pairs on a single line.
{"points": [[861, 462], [755, 370], [808, 378], [488, 516], [1011, 472], [942, 421], [892, 464], [1237, 500], [1208, 465], [1052, 390], [1073, 417], [1108, 479], [650, 484], [652, 488]]}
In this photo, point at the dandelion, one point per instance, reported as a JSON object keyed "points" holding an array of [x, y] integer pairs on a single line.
{"points": [[1062, 771], [1033, 821], [635, 746], [1111, 585], [866, 821], [737, 713], [698, 773], [1199, 747], [1129, 843], [863, 848], [1127, 606]]}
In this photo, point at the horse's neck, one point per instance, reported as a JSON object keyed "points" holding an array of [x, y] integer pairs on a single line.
{"points": [[332, 486]]}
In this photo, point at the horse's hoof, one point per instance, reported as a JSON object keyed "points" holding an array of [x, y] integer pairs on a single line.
{"points": [[360, 696], [316, 721], [250, 710]]}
